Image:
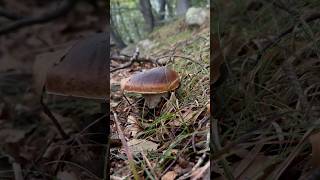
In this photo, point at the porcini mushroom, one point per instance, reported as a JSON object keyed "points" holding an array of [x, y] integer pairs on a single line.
{"points": [[152, 84], [82, 72]]}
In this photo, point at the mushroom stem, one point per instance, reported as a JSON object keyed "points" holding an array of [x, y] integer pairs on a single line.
{"points": [[152, 100]]}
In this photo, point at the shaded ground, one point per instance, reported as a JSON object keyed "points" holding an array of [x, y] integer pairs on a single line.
{"points": [[267, 126]]}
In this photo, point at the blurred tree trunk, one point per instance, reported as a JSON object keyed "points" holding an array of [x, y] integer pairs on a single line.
{"points": [[124, 25], [146, 10], [170, 9], [162, 10], [116, 37], [182, 7]]}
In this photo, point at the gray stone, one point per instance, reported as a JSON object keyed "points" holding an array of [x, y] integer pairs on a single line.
{"points": [[196, 16]]}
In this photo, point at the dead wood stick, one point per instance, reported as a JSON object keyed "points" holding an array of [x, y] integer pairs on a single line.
{"points": [[307, 19], [9, 15], [64, 8], [47, 111], [125, 146], [131, 61]]}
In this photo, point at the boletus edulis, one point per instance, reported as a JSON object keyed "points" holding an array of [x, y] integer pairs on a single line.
{"points": [[82, 72], [153, 84]]}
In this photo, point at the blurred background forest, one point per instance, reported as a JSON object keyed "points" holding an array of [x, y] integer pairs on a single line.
{"points": [[132, 20]]}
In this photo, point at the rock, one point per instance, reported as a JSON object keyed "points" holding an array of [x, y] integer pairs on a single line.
{"points": [[144, 47], [196, 16]]}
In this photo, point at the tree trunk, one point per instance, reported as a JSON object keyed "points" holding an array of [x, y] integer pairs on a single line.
{"points": [[146, 10], [170, 9], [116, 37], [162, 10], [182, 7]]}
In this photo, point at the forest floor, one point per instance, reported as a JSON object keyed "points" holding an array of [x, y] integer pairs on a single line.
{"points": [[268, 122], [171, 143], [30, 147]]}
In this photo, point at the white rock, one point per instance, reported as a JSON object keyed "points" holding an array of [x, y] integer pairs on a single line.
{"points": [[196, 16]]}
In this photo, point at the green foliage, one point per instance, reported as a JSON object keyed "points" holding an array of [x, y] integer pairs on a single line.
{"points": [[128, 20]]}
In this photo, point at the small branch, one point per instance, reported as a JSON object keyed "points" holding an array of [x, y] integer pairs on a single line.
{"points": [[131, 61], [149, 165], [9, 15], [127, 58], [125, 146], [63, 9], [307, 19], [47, 111]]}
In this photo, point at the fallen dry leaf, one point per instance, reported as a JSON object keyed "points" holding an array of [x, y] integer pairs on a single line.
{"points": [[133, 127], [170, 175], [202, 172], [256, 167], [12, 135], [66, 175], [315, 143], [139, 145]]}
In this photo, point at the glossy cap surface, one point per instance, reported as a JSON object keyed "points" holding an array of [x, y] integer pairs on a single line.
{"points": [[83, 71], [153, 81]]}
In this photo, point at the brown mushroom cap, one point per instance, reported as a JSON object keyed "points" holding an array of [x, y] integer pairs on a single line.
{"points": [[154, 81], [83, 71]]}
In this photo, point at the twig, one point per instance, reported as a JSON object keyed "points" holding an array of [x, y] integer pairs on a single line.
{"points": [[64, 8], [125, 146], [217, 146], [125, 58], [131, 61], [175, 160], [17, 171], [296, 150], [296, 85], [92, 175], [9, 15], [201, 172], [149, 165], [47, 111], [178, 56], [309, 18], [116, 178]]}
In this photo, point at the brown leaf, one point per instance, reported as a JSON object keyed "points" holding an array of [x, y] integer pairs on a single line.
{"points": [[170, 175], [138, 145], [65, 175], [11, 135], [315, 143], [257, 167]]}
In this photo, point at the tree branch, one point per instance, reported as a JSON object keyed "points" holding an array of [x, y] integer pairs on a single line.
{"points": [[131, 60], [9, 15], [307, 19], [63, 9]]}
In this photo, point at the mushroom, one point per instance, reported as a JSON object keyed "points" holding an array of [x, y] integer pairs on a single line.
{"points": [[82, 72], [152, 84]]}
